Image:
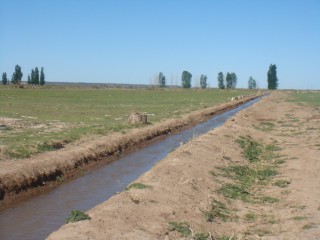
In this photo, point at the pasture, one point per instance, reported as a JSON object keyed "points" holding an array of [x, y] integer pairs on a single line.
{"points": [[43, 119]]}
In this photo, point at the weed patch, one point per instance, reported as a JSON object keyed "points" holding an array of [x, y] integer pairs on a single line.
{"points": [[76, 216], [225, 238], [309, 226], [137, 186], [268, 200], [218, 211], [269, 219], [299, 207], [248, 176], [181, 227], [234, 191], [259, 171], [252, 149], [255, 151], [280, 161], [281, 183], [250, 217], [265, 126], [261, 232], [299, 218], [201, 236]]}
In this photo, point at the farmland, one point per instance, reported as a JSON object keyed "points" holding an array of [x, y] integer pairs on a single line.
{"points": [[43, 119]]}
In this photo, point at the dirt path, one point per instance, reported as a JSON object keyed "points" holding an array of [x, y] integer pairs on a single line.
{"points": [[256, 177]]}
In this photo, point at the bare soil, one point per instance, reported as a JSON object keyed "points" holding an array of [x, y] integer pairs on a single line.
{"points": [[182, 186], [20, 179]]}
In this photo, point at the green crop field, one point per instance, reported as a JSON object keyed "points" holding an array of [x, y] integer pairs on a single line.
{"points": [[31, 120]]}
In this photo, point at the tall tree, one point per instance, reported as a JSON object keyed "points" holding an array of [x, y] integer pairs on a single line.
{"points": [[36, 76], [186, 79], [33, 79], [252, 84], [228, 80], [221, 80], [17, 75], [161, 80], [29, 79], [234, 80], [4, 78], [203, 81], [42, 77], [272, 77]]}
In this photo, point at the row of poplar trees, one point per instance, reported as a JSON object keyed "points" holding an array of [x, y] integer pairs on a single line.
{"points": [[34, 78], [185, 80], [230, 81]]}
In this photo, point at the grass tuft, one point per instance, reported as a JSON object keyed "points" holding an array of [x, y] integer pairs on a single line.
{"points": [[250, 217], [181, 227], [234, 191], [248, 176], [309, 226], [265, 126], [299, 218], [137, 186], [268, 200], [218, 211], [252, 149], [201, 236], [281, 183], [76, 216]]}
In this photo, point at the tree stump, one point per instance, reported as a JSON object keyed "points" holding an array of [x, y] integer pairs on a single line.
{"points": [[138, 118]]}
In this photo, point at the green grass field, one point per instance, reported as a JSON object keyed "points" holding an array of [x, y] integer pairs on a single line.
{"points": [[306, 97], [31, 120]]}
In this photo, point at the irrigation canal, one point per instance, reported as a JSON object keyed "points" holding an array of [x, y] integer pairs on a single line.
{"points": [[37, 217]]}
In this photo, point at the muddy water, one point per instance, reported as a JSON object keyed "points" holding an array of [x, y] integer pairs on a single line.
{"points": [[43, 214]]}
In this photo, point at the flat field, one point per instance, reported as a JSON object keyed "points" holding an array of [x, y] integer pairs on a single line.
{"points": [[44, 119], [306, 97]]}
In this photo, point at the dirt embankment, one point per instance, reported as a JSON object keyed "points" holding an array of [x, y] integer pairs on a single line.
{"points": [[22, 178], [256, 177]]}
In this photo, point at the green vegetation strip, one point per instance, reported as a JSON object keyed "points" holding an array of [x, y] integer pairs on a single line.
{"points": [[38, 119], [260, 169]]}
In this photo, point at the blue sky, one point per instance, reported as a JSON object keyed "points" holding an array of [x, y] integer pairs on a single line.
{"points": [[130, 41]]}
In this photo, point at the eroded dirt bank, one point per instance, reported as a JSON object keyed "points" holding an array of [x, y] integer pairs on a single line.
{"points": [[256, 177], [22, 178]]}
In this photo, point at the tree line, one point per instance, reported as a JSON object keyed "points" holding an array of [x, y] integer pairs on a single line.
{"points": [[35, 78], [224, 82], [228, 82]]}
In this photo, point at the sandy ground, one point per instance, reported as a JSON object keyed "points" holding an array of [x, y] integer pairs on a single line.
{"points": [[182, 186]]}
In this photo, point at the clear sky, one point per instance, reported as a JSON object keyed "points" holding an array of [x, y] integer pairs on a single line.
{"points": [[129, 41]]}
